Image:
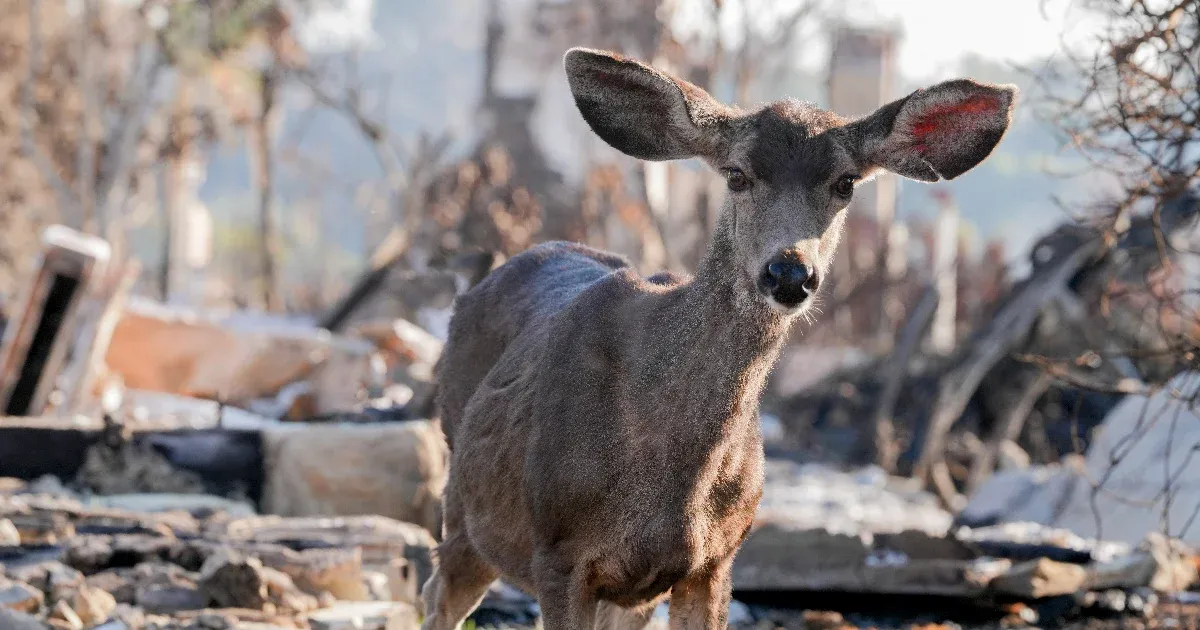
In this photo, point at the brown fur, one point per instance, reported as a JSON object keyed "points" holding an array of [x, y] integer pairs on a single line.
{"points": [[605, 445]]}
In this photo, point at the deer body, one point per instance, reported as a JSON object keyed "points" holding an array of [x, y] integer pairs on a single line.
{"points": [[605, 445]]}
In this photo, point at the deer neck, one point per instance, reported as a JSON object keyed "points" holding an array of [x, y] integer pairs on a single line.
{"points": [[718, 347]]}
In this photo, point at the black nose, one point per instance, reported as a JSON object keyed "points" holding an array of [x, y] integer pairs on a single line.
{"points": [[788, 281]]}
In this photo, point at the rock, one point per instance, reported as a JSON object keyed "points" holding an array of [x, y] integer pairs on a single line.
{"points": [[1174, 564], [42, 528], [337, 571], [115, 582], [20, 596], [377, 586], [89, 553], [65, 617], [394, 470], [1041, 578], [168, 502], [9, 536], [93, 605], [57, 580], [230, 580], [13, 620], [169, 599], [365, 616]]}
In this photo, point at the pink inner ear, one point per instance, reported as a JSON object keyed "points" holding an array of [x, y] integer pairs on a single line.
{"points": [[953, 115]]}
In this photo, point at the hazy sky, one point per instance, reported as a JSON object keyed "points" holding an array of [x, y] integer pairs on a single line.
{"points": [[939, 31], [936, 32]]}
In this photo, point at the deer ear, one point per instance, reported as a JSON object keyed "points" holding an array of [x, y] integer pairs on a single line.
{"points": [[937, 133], [641, 111]]}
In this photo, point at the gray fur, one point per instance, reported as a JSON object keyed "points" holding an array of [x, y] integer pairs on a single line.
{"points": [[605, 446]]}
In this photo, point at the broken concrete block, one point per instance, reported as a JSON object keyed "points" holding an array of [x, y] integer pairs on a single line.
{"points": [[237, 358], [20, 596], [365, 616], [394, 470], [1040, 578], [776, 558]]}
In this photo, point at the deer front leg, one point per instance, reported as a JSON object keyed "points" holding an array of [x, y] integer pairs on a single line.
{"points": [[702, 601], [566, 600]]}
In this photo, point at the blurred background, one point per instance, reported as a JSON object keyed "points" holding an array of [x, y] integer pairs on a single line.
{"points": [[335, 172]]}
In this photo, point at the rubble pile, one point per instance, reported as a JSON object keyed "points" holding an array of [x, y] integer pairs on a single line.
{"points": [[71, 565]]}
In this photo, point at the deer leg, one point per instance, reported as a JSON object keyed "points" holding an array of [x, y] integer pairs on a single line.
{"points": [[702, 601], [610, 616], [457, 585], [566, 601]]}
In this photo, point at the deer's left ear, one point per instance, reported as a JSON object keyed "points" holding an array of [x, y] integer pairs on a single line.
{"points": [[936, 133]]}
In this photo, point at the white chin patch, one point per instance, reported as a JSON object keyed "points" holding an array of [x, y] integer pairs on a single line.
{"points": [[785, 310]]}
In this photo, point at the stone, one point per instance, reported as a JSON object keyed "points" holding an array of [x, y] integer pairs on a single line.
{"points": [[92, 604], [1038, 579], [9, 536], [20, 596], [365, 616], [13, 620], [377, 586], [57, 580], [66, 617], [336, 571], [397, 470], [169, 599], [42, 528], [231, 580], [115, 582]]}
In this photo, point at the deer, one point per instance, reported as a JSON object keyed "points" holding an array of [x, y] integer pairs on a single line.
{"points": [[606, 452]]}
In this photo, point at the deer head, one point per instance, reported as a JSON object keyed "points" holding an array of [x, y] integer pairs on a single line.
{"points": [[791, 167]]}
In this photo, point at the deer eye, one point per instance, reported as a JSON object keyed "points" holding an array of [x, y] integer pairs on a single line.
{"points": [[844, 187], [736, 179]]}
